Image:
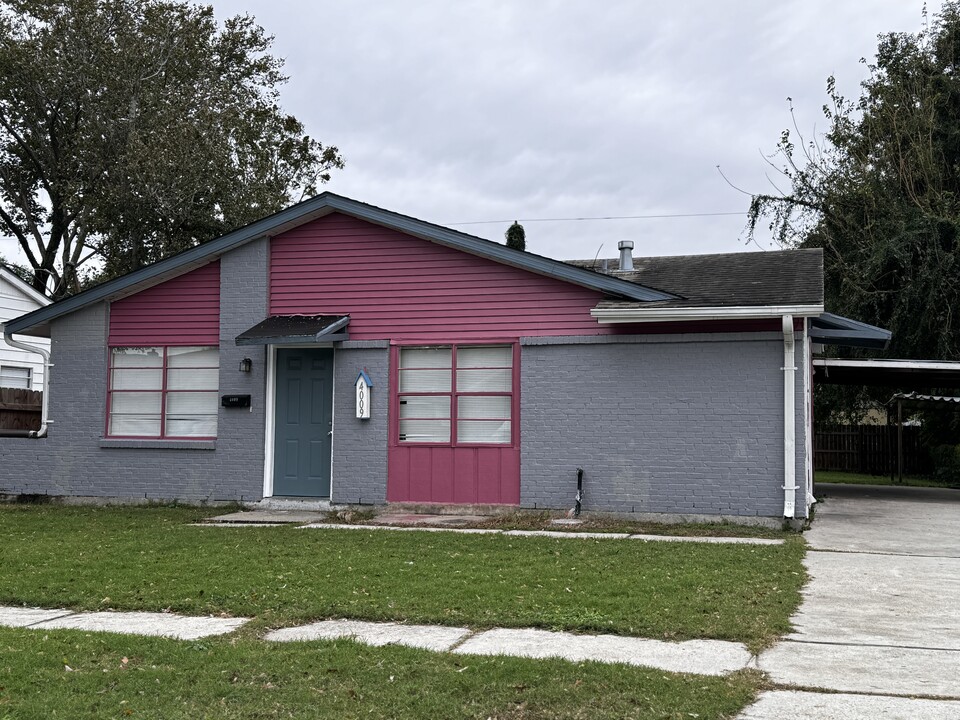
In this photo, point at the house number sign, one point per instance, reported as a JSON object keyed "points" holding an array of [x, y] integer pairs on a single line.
{"points": [[363, 388]]}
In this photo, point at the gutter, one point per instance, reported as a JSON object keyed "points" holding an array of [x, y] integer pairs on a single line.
{"points": [[45, 354], [668, 314], [789, 419]]}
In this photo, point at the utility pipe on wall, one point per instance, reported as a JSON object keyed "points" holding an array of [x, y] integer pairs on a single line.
{"points": [[45, 354], [789, 419]]}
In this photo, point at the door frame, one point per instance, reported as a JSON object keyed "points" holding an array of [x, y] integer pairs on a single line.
{"points": [[270, 408]]}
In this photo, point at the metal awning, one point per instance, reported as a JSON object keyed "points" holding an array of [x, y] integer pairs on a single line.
{"points": [[894, 373], [295, 329], [830, 329], [922, 400]]}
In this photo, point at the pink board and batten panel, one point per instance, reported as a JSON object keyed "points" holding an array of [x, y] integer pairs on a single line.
{"points": [[399, 287], [184, 310], [454, 476]]}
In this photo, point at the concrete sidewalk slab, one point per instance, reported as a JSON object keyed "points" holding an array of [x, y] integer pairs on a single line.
{"points": [[779, 704], [169, 625], [864, 669], [548, 533], [235, 525], [891, 520], [403, 519], [881, 600], [25, 617], [426, 637], [708, 539], [342, 526], [269, 516], [703, 657], [562, 534]]}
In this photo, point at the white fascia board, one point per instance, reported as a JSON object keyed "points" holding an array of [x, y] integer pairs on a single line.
{"points": [[642, 314], [900, 364]]}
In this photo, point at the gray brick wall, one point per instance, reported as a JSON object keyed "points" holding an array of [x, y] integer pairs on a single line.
{"points": [[689, 425], [681, 424], [360, 446], [72, 461]]}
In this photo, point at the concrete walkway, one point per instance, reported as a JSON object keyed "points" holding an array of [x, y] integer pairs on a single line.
{"points": [[179, 627], [702, 657], [881, 614]]}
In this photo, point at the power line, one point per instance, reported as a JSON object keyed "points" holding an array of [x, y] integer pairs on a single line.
{"points": [[604, 217]]}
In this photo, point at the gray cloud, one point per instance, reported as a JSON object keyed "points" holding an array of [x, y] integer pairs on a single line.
{"points": [[493, 110]]}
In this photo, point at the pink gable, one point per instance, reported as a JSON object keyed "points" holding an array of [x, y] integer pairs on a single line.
{"points": [[182, 311], [401, 287]]}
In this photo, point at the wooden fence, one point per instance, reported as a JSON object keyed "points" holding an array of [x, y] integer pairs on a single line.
{"points": [[869, 449], [20, 409]]}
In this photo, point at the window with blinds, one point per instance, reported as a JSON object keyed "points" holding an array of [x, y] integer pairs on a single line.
{"points": [[163, 392], [13, 376], [456, 394]]}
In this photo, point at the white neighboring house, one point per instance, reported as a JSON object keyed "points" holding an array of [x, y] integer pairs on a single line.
{"points": [[18, 368]]}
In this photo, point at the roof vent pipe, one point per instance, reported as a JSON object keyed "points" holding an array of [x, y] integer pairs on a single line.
{"points": [[626, 255]]}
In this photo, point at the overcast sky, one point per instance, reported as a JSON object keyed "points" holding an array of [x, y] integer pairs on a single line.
{"points": [[457, 112]]}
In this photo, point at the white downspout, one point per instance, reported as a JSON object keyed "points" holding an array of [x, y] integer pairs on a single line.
{"points": [[789, 419], [809, 437], [45, 354]]}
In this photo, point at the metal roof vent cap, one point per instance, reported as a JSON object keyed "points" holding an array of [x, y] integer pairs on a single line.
{"points": [[626, 255]]}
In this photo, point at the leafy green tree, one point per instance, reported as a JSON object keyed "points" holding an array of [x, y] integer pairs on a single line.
{"points": [[880, 192], [516, 236], [133, 129]]}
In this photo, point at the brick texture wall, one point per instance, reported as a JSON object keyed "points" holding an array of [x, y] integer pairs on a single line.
{"points": [[73, 459], [360, 446], [679, 424], [689, 424]]}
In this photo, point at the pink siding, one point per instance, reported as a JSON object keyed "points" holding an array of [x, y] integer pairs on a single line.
{"points": [[461, 476], [400, 287], [182, 311]]}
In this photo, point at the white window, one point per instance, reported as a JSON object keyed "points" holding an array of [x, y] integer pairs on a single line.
{"points": [[456, 394], [163, 392], [15, 377]]}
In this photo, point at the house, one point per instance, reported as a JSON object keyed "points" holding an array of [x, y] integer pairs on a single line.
{"points": [[18, 368], [338, 350]]}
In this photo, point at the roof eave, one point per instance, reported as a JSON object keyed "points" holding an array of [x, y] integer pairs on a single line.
{"points": [[667, 314], [316, 207]]}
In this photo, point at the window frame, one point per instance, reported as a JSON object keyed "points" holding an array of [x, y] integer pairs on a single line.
{"points": [[30, 374], [454, 394], [163, 391]]}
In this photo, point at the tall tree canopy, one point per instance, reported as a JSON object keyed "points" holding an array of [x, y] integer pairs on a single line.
{"points": [[880, 192], [133, 129]]}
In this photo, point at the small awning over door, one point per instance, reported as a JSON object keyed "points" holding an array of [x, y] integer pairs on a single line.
{"points": [[296, 329]]}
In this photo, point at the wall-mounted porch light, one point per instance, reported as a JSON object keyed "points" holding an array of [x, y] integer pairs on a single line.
{"points": [[246, 365]]}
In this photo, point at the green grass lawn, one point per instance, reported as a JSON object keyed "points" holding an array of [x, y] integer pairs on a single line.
{"points": [[151, 559], [847, 478], [113, 676]]}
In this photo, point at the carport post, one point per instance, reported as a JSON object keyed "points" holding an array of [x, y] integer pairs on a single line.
{"points": [[899, 441]]}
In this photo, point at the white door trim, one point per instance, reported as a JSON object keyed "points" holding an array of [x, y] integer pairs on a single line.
{"points": [[269, 438]]}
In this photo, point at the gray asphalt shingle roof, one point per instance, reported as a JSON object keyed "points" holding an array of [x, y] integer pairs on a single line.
{"points": [[776, 277]]}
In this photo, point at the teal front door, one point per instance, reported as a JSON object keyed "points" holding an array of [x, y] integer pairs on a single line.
{"points": [[304, 422]]}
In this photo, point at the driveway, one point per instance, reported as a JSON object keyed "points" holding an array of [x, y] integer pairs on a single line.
{"points": [[881, 614]]}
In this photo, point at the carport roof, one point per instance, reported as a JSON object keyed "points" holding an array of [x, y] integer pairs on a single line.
{"points": [[914, 374]]}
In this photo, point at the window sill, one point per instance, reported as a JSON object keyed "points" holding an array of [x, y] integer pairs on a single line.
{"points": [[134, 444]]}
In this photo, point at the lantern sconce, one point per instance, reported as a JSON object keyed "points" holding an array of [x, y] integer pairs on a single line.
{"points": [[246, 365]]}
